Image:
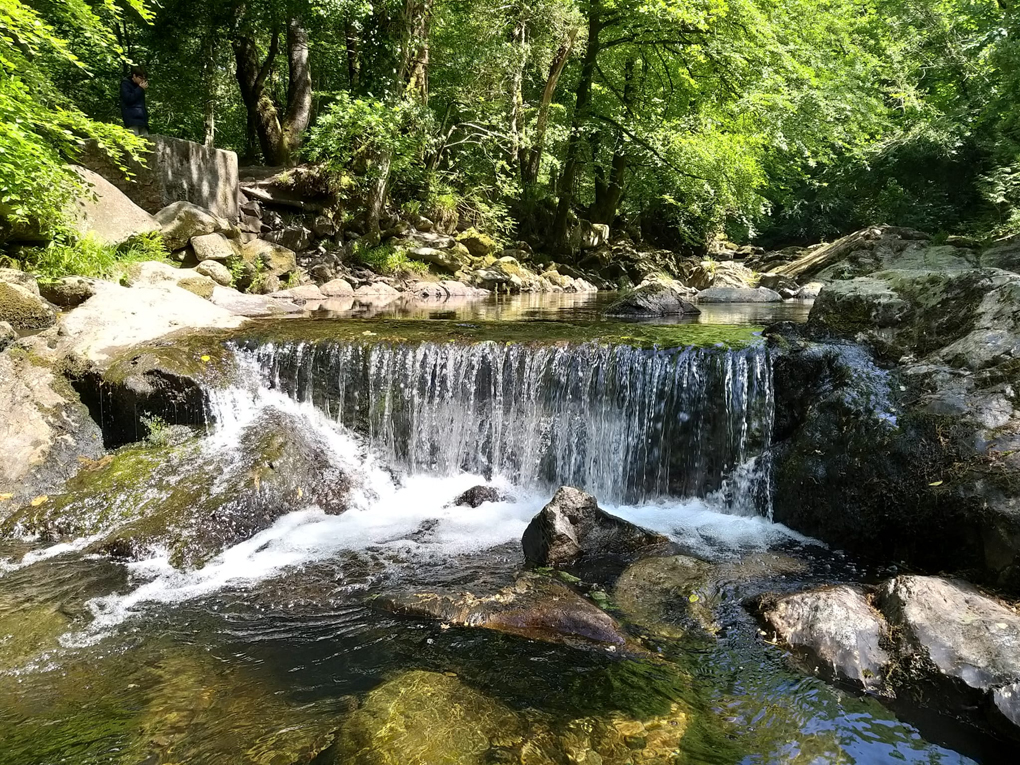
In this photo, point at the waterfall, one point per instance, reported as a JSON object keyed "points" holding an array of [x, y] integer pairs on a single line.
{"points": [[626, 424]]}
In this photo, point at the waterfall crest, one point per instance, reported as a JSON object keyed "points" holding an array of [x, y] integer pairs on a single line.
{"points": [[627, 424]]}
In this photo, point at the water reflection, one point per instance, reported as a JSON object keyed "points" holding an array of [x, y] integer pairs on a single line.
{"points": [[549, 306]]}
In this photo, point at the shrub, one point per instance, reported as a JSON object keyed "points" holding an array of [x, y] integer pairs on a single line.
{"points": [[90, 257], [389, 261]]}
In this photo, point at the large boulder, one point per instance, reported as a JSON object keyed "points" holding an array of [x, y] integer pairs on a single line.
{"points": [[273, 259], [106, 214], [838, 628], [572, 526], [214, 247], [478, 244], [24, 309], [726, 273], [295, 238], [337, 288], [655, 298], [174, 170], [181, 221], [252, 306]]}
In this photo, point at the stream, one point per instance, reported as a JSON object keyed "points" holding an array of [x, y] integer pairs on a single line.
{"points": [[276, 643]]}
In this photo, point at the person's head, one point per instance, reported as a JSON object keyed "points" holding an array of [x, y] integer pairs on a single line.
{"points": [[138, 75]]}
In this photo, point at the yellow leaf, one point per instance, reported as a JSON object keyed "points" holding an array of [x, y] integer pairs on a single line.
{"points": [[693, 598], [5, 497], [937, 483], [39, 500], [206, 358]]}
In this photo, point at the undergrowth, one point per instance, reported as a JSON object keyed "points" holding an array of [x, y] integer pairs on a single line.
{"points": [[389, 261], [90, 257]]}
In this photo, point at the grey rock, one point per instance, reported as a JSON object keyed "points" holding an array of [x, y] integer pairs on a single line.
{"points": [[151, 273], [214, 247], [275, 259], [337, 288], [573, 526], [20, 278], [7, 335], [724, 273], [323, 226], [476, 496], [215, 271], [448, 260], [303, 293], [739, 295], [252, 306], [651, 298], [180, 221], [838, 628], [295, 238], [106, 214], [809, 291]]}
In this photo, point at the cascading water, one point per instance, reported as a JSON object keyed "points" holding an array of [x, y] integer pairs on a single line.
{"points": [[626, 424]]}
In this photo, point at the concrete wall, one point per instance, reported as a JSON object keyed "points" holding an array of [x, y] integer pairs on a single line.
{"points": [[174, 171]]}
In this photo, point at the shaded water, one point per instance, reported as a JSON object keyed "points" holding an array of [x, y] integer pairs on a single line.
{"points": [[266, 651]]}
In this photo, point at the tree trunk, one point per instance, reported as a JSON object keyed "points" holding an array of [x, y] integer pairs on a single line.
{"points": [[608, 194], [520, 39], [353, 41], [533, 158], [560, 234], [209, 77], [277, 138]]}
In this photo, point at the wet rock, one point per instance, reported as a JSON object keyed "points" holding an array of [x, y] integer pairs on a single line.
{"points": [[738, 295], [337, 288], [951, 631], [378, 292], [253, 306], [181, 221], [304, 293], [215, 271], [534, 607], [837, 627], [1007, 704], [214, 247], [68, 292], [24, 309], [655, 298], [477, 496], [190, 502], [572, 526]]}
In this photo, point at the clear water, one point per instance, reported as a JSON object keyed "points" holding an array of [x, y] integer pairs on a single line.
{"points": [[262, 654]]}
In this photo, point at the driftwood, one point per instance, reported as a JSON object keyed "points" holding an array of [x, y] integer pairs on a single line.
{"points": [[821, 258]]}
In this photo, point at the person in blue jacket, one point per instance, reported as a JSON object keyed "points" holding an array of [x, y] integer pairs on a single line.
{"points": [[132, 101]]}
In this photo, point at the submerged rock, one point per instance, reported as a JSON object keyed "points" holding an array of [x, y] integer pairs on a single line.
{"points": [[572, 526], [838, 628], [426, 718], [534, 607]]}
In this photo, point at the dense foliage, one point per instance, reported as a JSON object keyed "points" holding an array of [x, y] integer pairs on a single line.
{"points": [[775, 120]]}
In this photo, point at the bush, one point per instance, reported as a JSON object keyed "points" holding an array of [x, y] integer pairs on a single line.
{"points": [[390, 261], [89, 257]]}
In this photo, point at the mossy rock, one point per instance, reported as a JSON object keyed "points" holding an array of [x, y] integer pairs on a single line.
{"points": [[477, 243], [23, 309]]}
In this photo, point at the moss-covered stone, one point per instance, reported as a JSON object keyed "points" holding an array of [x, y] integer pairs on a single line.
{"points": [[23, 309], [477, 243]]}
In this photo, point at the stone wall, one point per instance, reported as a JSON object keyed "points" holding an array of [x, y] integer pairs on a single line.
{"points": [[174, 171]]}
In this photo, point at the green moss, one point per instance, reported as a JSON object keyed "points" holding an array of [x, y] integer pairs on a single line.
{"points": [[524, 332]]}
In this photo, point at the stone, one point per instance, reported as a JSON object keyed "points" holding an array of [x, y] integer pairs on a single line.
{"points": [[477, 243], [477, 496], [323, 227], [44, 430], [447, 260], [214, 247], [428, 291], [173, 170], [21, 278], [295, 238], [572, 526], [216, 271], [376, 292], [949, 627], [1007, 702], [151, 273], [838, 628], [739, 295], [459, 289], [252, 306], [779, 283], [273, 258], [106, 214], [809, 291], [180, 221], [337, 288], [725, 273], [68, 291], [534, 607], [23, 308], [589, 236], [652, 298], [7, 335]]}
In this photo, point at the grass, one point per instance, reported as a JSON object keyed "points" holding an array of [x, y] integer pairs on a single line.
{"points": [[90, 257], [390, 261]]}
